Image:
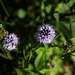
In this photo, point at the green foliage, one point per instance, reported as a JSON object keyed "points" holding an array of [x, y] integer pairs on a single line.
{"points": [[48, 8], [24, 17], [19, 71], [21, 13], [56, 15], [72, 22], [1, 25]]}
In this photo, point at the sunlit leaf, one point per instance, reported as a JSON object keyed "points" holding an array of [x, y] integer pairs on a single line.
{"points": [[21, 13], [38, 59], [70, 3], [30, 67], [56, 15], [1, 25], [19, 71], [72, 21], [48, 8], [43, 14]]}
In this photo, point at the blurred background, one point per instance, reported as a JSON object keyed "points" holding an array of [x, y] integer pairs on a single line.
{"points": [[24, 17]]}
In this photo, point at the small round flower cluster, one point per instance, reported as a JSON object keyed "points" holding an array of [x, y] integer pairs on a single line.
{"points": [[10, 42], [45, 34]]}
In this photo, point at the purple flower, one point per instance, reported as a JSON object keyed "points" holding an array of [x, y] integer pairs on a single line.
{"points": [[10, 42], [45, 34]]}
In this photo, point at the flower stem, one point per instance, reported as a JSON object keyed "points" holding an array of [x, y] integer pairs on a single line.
{"points": [[4, 8]]}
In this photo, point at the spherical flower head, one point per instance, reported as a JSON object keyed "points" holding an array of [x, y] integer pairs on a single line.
{"points": [[45, 34], [10, 42]]}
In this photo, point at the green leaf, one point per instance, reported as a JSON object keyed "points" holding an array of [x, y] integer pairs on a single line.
{"points": [[48, 8], [72, 22], [23, 63], [64, 8], [42, 5], [21, 13], [62, 51], [19, 71], [41, 58], [58, 7], [30, 55], [24, 53], [73, 1], [40, 49], [38, 59], [43, 14], [73, 39], [66, 32], [1, 25], [67, 73], [70, 3], [56, 15], [30, 67]]}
